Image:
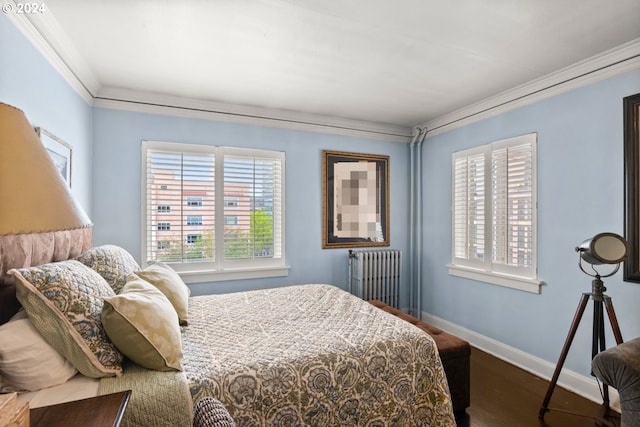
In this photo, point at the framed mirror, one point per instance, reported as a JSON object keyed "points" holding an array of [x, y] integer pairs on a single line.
{"points": [[632, 186]]}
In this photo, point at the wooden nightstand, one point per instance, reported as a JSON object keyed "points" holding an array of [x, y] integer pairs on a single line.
{"points": [[100, 411]]}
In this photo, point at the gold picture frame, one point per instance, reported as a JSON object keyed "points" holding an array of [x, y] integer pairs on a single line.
{"points": [[355, 200]]}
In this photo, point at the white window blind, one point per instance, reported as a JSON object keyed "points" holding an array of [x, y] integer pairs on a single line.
{"points": [[469, 218], [196, 182], [494, 207], [512, 207], [174, 178], [251, 190]]}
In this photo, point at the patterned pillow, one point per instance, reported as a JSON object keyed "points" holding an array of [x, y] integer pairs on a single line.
{"points": [[210, 412], [163, 277], [143, 324], [111, 262], [64, 302]]}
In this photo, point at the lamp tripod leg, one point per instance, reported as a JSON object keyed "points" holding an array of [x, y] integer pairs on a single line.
{"points": [[598, 342], [615, 327], [563, 355]]}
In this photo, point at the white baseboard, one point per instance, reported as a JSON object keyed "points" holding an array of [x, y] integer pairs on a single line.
{"points": [[585, 386]]}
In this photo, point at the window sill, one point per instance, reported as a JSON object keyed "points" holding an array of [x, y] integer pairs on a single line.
{"points": [[514, 282], [232, 274]]}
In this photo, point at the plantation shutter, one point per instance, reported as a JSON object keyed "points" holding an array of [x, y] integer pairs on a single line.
{"points": [[469, 218], [494, 208], [180, 206], [213, 213], [460, 207], [253, 200], [513, 206]]}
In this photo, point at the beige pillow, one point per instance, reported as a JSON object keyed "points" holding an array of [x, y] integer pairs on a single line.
{"points": [[143, 325], [171, 285], [27, 361]]}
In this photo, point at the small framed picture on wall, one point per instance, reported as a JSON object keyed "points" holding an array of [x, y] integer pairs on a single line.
{"points": [[59, 151]]}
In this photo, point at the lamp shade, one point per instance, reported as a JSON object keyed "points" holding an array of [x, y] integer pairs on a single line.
{"points": [[34, 196], [40, 220], [603, 248]]}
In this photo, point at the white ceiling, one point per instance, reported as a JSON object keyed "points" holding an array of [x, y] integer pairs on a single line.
{"points": [[400, 62]]}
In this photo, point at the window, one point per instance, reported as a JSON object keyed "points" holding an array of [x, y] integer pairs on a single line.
{"points": [[211, 244], [164, 209], [163, 245], [231, 201], [194, 201], [230, 220], [193, 238], [194, 219], [494, 213], [164, 226]]}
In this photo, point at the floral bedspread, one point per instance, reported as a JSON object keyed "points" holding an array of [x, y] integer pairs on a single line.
{"points": [[312, 355]]}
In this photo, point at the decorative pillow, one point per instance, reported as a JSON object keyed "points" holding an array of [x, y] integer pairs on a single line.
{"points": [[27, 361], [210, 412], [171, 285], [111, 262], [143, 324], [64, 302]]}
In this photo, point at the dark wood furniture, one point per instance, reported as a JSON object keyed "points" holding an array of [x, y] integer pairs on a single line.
{"points": [[454, 354], [100, 411]]}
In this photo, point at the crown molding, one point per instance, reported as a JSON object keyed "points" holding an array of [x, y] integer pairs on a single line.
{"points": [[152, 103], [46, 34], [47, 25], [40, 39], [44, 31], [616, 61]]}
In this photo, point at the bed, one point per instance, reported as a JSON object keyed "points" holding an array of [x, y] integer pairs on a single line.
{"points": [[310, 354]]}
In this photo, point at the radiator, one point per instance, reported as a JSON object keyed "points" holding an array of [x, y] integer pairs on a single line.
{"points": [[375, 274]]}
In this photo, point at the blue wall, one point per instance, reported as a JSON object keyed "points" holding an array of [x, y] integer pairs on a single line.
{"points": [[580, 193], [117, 186], [29, 82]]}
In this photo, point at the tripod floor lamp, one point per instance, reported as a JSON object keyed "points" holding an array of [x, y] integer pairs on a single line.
{"points": [[603, 248]]}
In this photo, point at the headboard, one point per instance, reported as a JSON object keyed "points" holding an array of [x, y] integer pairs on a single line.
{"points": [[27, 250]]}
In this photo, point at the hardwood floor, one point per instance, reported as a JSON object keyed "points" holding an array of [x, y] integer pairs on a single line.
{"points": [[503, 395]]}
